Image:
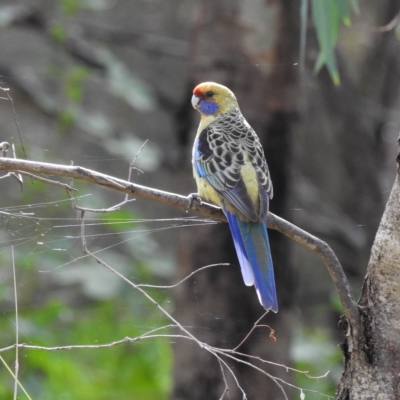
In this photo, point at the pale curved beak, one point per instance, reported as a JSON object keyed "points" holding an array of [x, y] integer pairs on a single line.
{"points": [[195, 101]]}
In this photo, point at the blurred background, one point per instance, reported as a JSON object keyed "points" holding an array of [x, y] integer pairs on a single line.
{"points": [[91, 82]]}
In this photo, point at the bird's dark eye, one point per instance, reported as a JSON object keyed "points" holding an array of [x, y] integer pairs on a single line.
{"points": [[210, 93]]}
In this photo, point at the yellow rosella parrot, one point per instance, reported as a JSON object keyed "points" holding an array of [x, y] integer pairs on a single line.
{"points": [[231, 171]]}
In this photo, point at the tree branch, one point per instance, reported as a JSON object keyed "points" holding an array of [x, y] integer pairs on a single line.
{"points": [[323, 250], [274, 222]]}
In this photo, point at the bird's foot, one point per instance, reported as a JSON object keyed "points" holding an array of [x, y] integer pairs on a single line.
{"points": [[194, 198]]}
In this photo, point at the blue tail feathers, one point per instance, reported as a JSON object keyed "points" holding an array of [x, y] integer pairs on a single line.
{"points": [[254, 254]]}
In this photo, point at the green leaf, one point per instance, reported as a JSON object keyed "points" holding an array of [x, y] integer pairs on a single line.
{"points": [[328, 15], [303, 34], [327, 18], [332, 68], [58, 33], [354, 5], [70, 7], [66, 119], [75, 79], [344, 12]]}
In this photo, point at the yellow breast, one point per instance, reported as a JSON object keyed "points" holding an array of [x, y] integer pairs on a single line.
{"points": [[207, 192]]}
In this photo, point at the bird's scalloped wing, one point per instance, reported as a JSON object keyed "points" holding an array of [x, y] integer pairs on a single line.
{"points": [[220, 153]]}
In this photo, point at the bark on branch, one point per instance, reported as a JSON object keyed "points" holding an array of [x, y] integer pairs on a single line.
{"points": [[274, 222]]}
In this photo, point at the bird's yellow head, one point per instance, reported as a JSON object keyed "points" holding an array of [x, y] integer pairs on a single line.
{"points": [[211, 98]]}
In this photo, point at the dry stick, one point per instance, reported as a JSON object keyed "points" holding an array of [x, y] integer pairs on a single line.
{"points": [[104, 264], [237, 353], [132, 164], [119, 185], [16, 327], [185, 278], [223, 363], [390, 26], [274, 222], [251, 330], [46, 180], [7, 92], [99, 346], [276, 380], [96, 210], [4, 146], [17, 176], [226, 389]]}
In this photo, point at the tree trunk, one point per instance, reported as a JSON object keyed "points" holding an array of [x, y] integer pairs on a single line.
{"points": [[372, 368]]}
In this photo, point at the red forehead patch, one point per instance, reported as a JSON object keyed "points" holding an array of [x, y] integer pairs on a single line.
{"points": [[198, 90]]}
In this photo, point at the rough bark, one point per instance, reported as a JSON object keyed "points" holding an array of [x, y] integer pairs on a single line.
{"points": [[372, 369]]}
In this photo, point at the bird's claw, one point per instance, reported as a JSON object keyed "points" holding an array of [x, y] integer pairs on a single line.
{"points": [[194, 198]]}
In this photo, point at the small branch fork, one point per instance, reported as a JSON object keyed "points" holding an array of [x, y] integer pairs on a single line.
{"points": [[274, 222]]}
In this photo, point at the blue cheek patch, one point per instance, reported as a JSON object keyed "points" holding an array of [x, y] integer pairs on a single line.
{"points": [[208, 107]]}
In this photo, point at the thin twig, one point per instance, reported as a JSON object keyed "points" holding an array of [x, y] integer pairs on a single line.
{"points": [[275, 379], [226, 389], [104, 264], [16, 326], [184, 279], [224, 363], [7, 91], [251, 330], [95, 210], [390, 26], [14, 174], [12, 374], [95, 346], [132, 164], [4, 146], [306, 373], [46, 180]]}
